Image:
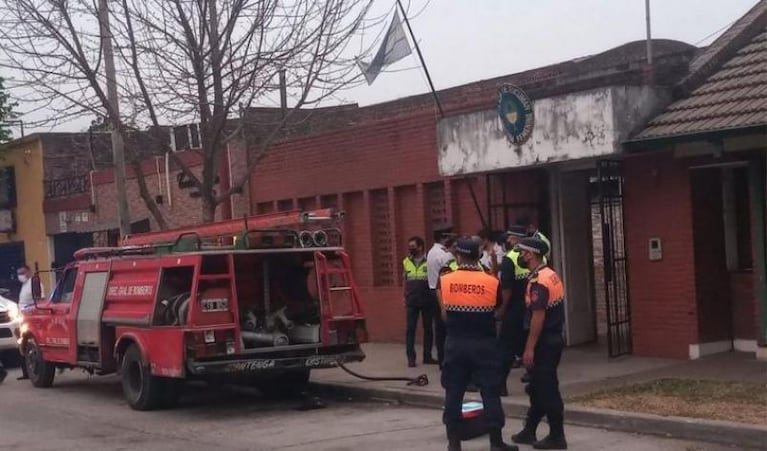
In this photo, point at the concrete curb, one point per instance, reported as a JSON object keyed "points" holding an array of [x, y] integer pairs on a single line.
{"points": [[721, 432]]}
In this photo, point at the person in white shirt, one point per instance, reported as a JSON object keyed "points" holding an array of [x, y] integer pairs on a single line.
{"points": [[492, 253], [436, 260], [26, 301]]}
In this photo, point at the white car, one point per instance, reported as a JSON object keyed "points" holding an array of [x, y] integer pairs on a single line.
{"points": [[10, 322]]}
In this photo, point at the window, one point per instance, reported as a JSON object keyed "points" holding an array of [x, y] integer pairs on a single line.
{"points": [[66, 288]]}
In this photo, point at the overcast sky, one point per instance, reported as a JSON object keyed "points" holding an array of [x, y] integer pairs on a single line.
{"points": [[468, 40]]}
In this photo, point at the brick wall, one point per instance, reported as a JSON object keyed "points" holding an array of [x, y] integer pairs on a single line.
{"points": [[74, 211], [384, 175], [663, 296]]}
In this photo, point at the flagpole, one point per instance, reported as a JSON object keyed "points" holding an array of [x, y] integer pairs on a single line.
{"points": [[439, 106], [420, 57]]}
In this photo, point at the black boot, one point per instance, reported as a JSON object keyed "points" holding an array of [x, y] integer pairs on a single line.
{"points": [[556, 437], [496, 442], [527, 435]]}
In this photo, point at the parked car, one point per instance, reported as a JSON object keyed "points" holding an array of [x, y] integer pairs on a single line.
{"points": [[10, 322]]}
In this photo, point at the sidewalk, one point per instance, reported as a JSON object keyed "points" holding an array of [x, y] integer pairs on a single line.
{"points": [[583, 370]]}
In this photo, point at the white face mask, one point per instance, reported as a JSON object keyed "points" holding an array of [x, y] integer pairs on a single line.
{"points": [[23, 278]]}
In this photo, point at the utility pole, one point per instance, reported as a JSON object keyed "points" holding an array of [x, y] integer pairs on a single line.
{"points": [[649, 34], [118, 146]]}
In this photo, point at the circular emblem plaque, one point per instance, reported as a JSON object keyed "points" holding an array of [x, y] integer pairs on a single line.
{"points": [[516, 113]]}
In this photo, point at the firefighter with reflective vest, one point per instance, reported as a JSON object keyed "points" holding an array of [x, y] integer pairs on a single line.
{"points": [[418, 301], [511, 337], [469, 297], [544, 299]]}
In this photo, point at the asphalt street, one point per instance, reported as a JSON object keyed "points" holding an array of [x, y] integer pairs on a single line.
{"points": [[82, 412]]}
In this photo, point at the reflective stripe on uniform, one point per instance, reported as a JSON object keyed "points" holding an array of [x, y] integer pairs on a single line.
{"points": [[413, 272], [519, 272], [469, 291]]}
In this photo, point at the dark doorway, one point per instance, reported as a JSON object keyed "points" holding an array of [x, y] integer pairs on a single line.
{"points": [[11, 258], [65, 245]]}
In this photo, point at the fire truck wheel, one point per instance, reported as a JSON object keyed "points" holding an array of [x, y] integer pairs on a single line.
{"points": [[40, 372], [143, 391]]}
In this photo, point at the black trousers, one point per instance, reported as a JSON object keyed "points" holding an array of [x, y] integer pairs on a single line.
{"points": [[440, 331], [512, 336], [545, 399], [426, 312], [477, 360]]}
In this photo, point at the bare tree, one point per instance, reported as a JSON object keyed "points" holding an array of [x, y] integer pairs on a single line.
{"points": [[183, 61]]}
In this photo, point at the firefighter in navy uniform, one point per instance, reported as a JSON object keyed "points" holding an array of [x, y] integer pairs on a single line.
{"points": [[469, 297], [544, 298]]}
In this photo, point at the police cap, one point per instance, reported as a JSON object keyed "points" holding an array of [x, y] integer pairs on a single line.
{"points": [[533, 245], [468, 247], [516, 230]]}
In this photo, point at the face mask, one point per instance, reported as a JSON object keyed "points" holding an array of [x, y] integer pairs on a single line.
{"points": [[22, 278], [412, 252]]}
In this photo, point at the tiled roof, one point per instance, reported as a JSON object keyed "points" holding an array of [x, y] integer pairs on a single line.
{"points": [[734, 95]]}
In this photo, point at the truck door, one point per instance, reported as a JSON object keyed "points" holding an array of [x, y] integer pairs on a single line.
{"points": [[59, 337]]}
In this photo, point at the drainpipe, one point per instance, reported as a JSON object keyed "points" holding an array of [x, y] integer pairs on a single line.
{"points": [[757, 178]]}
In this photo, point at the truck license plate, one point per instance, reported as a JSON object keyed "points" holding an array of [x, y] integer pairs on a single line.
{"points": [[215, 305]]}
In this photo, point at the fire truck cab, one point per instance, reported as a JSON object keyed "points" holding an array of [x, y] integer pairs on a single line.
{"points": [[266, 299]]}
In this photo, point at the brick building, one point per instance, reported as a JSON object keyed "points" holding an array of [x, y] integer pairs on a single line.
{"points": [[397, 168], [649, 180], [695, 185]]}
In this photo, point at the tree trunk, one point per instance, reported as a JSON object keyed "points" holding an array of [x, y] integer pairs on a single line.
{"points": [[151, 205], [208, 208]]}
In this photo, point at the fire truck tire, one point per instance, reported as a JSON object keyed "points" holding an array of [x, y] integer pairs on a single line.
{"points": [[142, 390], [40, 372]]}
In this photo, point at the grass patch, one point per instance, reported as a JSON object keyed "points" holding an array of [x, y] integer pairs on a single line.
{"points": [[715, 400]]}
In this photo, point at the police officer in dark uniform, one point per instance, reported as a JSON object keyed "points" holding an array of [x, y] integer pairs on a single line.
{"points": [[544, 298], [469, 297], [418, 301], [512, 336]]}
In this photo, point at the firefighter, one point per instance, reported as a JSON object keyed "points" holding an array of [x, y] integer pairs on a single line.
{"points": [[511, 337], [418, 301], [437, 259], [469, 297], [544, 298]]}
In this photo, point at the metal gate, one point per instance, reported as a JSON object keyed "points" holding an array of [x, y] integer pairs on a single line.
{"points": [[610, 198]]}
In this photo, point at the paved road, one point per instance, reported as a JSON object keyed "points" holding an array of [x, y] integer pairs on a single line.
{"points": [[88, 413]]}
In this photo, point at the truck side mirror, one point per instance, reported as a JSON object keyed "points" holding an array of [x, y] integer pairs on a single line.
{"points": [[37, 289]]}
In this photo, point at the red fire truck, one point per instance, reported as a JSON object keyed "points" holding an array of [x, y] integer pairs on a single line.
{"points": [[266, 298]]}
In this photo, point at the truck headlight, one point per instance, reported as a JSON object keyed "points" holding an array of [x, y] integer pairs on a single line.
{"points": [[14, 313]]}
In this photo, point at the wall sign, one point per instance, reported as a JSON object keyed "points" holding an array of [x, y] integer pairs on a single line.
{"points": [[515, 109]]}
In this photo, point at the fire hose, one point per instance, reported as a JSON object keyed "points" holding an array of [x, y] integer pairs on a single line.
{"points": [[419, 381]]}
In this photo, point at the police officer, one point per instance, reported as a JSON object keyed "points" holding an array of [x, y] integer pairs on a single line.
{"points": [[544, 298], [534, 232], [418, 301], [511, 337], [437, 260], [468, 297]]}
